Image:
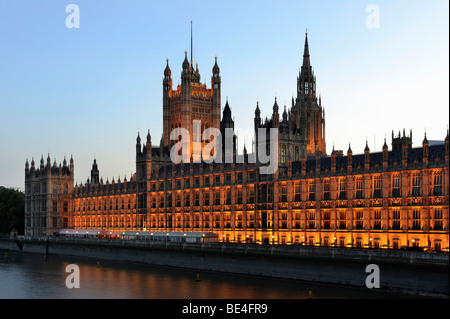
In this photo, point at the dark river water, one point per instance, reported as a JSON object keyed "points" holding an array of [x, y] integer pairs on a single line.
{"points": [[30, 276]]}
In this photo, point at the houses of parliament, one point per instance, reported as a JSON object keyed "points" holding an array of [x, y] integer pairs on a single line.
{"points": [[393, 198]]}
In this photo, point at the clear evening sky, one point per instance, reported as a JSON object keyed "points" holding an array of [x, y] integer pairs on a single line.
{"points": [[88, 91]]}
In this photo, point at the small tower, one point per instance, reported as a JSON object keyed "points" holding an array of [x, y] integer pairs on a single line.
{"points": [[149, 141], [367, 156], [285, 115], [71, 167], [425, 150], [32, 168], [95, 173], [399, 141], [349, 158], [27, 168], [48, 166], [138, 145], [53, 185], [216, 84], [308, 112], [257, 120], [275, 115], [385, 155], [190, 101], [167, 82], [228, 145]]}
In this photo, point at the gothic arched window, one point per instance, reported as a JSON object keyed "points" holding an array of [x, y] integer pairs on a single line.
{"points": [[283, 154]]}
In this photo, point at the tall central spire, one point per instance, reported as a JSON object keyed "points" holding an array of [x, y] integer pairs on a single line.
{"points": [[306, 58], [306, 80], [191, 44]]}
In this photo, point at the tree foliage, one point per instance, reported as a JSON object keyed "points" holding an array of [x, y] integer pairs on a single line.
{"points": [[12, 210]]}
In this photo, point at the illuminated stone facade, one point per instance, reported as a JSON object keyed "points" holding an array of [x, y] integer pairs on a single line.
{"points": [[388, 199]]}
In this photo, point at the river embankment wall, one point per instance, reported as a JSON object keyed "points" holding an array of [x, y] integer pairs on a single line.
{"points": [[400, 271]]}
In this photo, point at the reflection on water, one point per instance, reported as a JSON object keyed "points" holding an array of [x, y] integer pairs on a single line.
{"points": [[31, 276]]}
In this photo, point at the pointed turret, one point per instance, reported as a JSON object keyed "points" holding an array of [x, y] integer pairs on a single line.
{"points": [[425, 140], [138, 145], [275, 114], [349, 158], [216, 87], [226, 111], [185, 64], [71, 166], [385, 146], [149, 137], [229, 146], [48, 161], [215, 69], [257, 119], [27, 168], [167, 71], [95, 173], [385, 154], [367, 156], [367, 149], [148, 145], [257, 110], [425, 149]]}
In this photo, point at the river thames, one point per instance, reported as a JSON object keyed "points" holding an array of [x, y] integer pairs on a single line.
{"points": [[31, 276]]}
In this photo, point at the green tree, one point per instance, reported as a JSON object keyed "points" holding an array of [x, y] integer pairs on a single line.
{"points": [[12, 211]]}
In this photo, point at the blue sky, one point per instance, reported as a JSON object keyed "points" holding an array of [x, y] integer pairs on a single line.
{"points": [[88, 91]]}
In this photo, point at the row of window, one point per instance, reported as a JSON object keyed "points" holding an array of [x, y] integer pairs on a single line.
{"points": [[207, 181], [42, 187], [414, 220], [41, 205], [342, 191], [119, 202]]}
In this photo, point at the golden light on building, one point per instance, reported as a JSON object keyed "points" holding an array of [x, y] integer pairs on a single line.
{"points": [[386, 199]]}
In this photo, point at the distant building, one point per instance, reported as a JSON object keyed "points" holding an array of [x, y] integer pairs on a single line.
{"points": [[48, 196], [388, 199]]}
